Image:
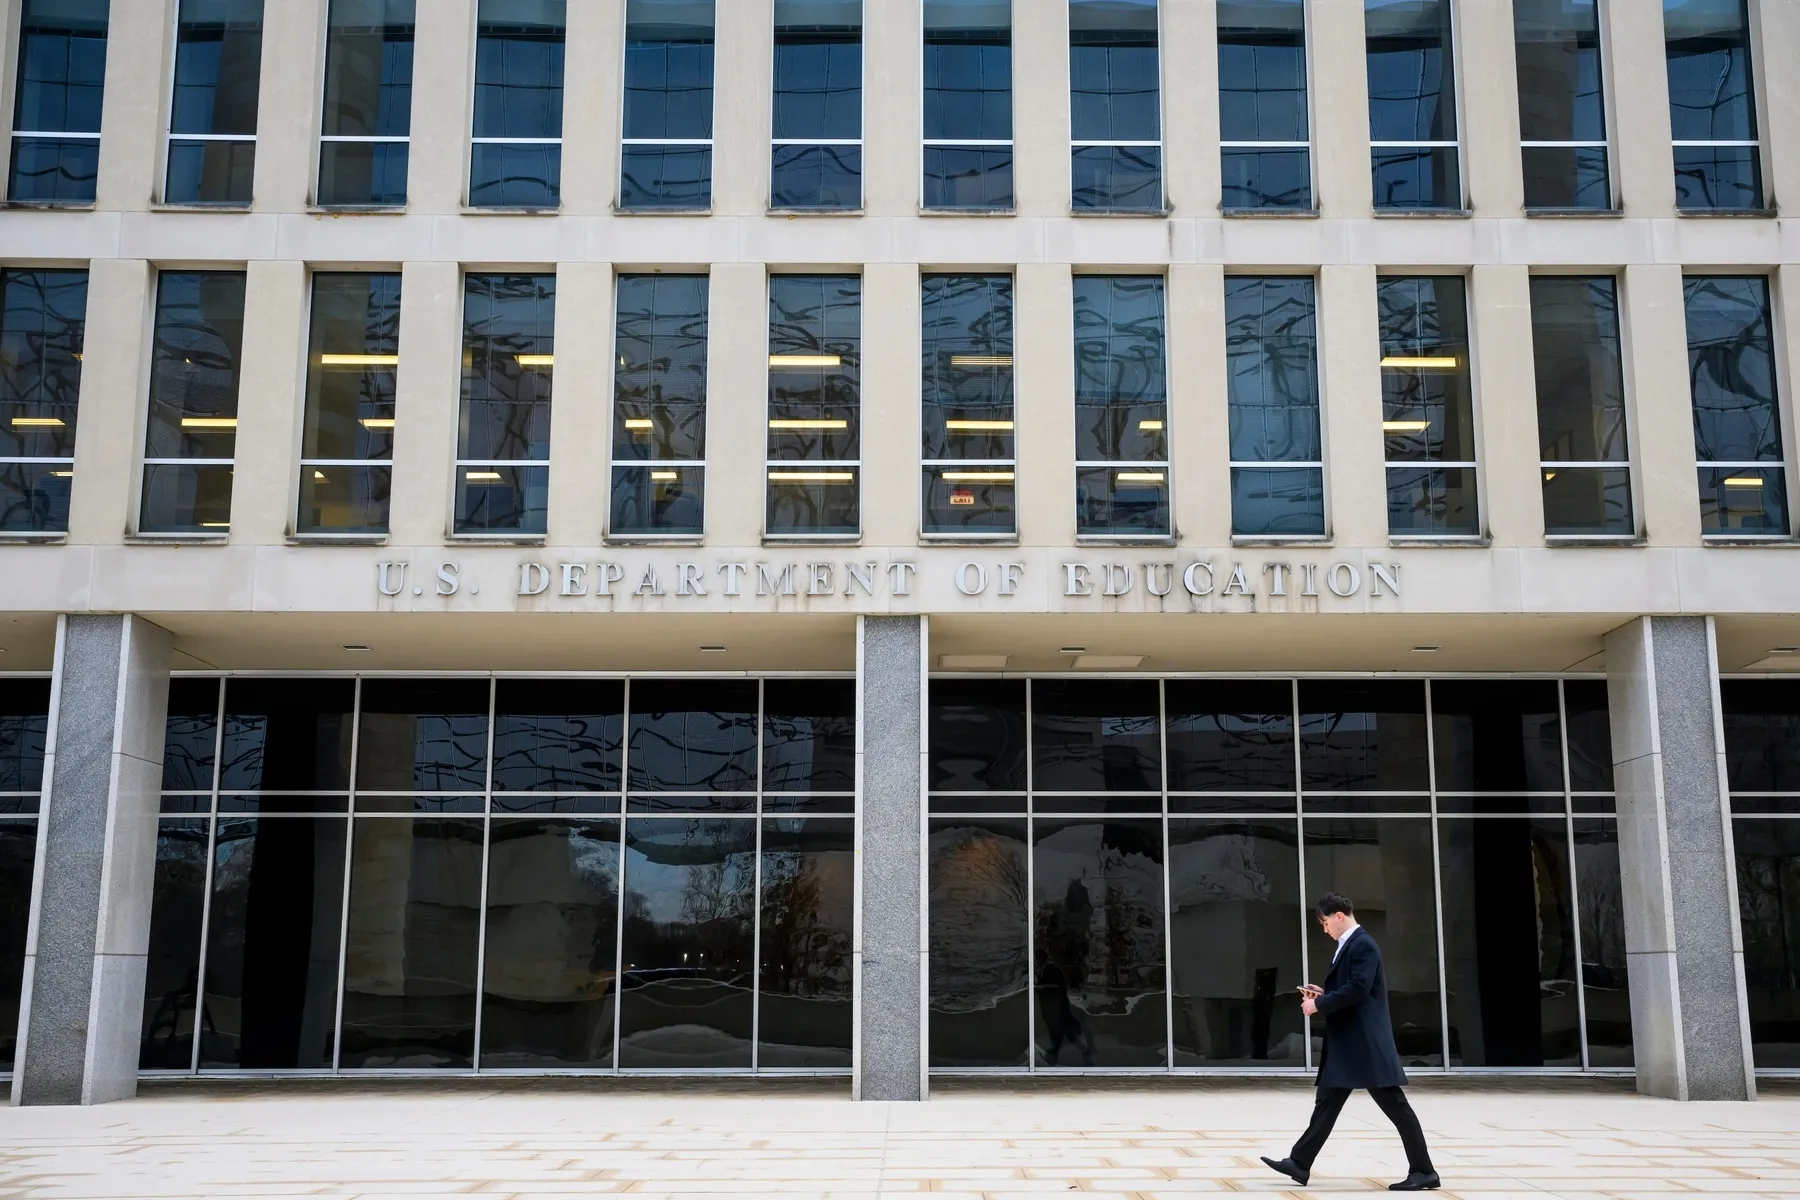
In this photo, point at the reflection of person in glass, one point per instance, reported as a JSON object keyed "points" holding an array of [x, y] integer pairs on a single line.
{"points": [[1359, 1049], [1064, 973]]}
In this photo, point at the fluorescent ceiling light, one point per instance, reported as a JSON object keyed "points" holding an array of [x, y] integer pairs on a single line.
{"points": [[1549, 475], [712, 649], [1421, 362], [1108, 662], [37, 422], [812, 476], [978, 477], [664, 476], [1405, 426], [358, 649], [1743, 481], [376, 422], [320, 475], [481, 476], [1150, 426], [359, 360], [981, 360], [1426, 649], [806, 360], [638, 423], [536, 360], [1784, 649], [972, 662], [978, 426], [1074, 649], [63, 474], [209, 422], [808, 423], [215, 524], [1138, 477]]}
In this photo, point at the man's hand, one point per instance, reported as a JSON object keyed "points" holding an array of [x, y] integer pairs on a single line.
{"points": [[1309, 1007]]}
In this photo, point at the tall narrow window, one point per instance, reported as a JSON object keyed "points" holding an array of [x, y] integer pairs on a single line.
{"points": [[1265, 146], [192, 436], [1712, 105], [515, 155], [364, 138], [817, 152], [666, 159], [659, 406], [43, 318], [1427, 411], [1115, 106], [1277, 458], [815, 405], [56, 107], [1121, 407], [503, 438], [1562, 108], [1412, 104], [967, 392], [347, 440], [212, 114], [1581, 406], [1737, 420], [968, 104]]}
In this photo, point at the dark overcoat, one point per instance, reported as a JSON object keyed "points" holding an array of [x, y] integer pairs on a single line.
{"points": [[1359, 1034]]}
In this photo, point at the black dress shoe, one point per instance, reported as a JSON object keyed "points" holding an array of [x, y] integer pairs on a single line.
{"points": [[1418, 1181], [1294, 1171]]}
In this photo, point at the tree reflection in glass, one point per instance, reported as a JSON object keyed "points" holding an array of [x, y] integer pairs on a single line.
{"points": [[808, 909], [976, 907]]}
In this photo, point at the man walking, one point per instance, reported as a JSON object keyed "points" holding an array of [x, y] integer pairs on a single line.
{"points": [[1359, 1050]]}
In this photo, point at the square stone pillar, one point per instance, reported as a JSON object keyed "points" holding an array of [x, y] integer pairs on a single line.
{"points": [[889, 1039], [1684, 949], [81, 1008]]}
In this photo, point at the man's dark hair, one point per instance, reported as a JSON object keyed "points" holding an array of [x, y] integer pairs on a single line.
{"points": [[1335, 902]]}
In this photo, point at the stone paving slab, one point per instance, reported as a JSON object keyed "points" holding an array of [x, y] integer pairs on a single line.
{"points": [[518, 1139]]}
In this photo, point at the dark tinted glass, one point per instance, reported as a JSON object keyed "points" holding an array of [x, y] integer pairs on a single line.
{"points": [[1762, 734], [1509, 943], [1718, 177], [1768, 876], [1113, 71], [977, 985], [1230, 735], [1556, 45], [691, 736], [688, 950], [1385, 867], [352, 365], [1496, 735], [368, 68], [1363, 735], [809, 735], [1425, 177], [195, 360], [1235, 925], [519, 68], [1262, 72], [1581, 404], [968, 177], [968, 70], [53, 170], [1600, 912], [272, 943], [1095, 735], [218, 61], [423, 734], [1427, 406], [1711, 91], [1120, 369], [24, 723], [1731, 370], [43, 325], [1116, 178], [288, 735], [1265, 178], [804, 1013], [967, 366], [1566, 177], [818, 69], [977, 735], [1590, 735], [61, 78], [1271, 346], [509, 330], [648, 501], [172, 969], [659, 383], [415, 920], [815, 401], [552, 944], [558, 735], [1100, 969], [18, 855], [668, 68], [1412, 80], [816, 177], [191, 734]]}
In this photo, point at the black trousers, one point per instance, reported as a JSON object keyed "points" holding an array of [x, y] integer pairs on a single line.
{"points": [[1330, 1102]]}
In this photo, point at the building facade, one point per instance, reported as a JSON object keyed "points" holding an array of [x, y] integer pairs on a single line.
{"points": [[896, 537]]}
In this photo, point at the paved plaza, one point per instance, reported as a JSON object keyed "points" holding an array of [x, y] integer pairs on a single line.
{"points": [[536, 1138]]}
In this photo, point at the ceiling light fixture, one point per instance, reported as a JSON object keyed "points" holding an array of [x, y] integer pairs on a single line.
{"points": [[783, 361], [320, 476], [1405, 426], [981, 360], [1784, 649], [1139, 477], [812, 477], [209, 422], [1744, 481], [376, 422], [481, 476], [977, 477], [1074, 649], [1426, 649], [1150, 426], [962, 426], [638, 423], [664, 476], [1420, 362], [712, 649], [536, 360], [358, 649], [37, 422], [359, 360], [808, 423]]}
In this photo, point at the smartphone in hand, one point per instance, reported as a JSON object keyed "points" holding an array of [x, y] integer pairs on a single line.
{"points": [[1310, 989]]}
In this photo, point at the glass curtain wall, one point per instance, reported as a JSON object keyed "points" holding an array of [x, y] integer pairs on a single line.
{"points": [[968, 119], [666, 155], [515, 148], [1120, 870], [197, 352], [1272, 364], [212, 112], [1121, 407], [24, 725], [1427, 407], [815, 406], [1265, 146], [1762, 727], [43, 323], [1115, 106], [1585, 458], [1738, 438], [56, 105], [659, 407], [543, 874], [816, 152], [1712, 105], [347, 436], [968, 454], [1562, 104], [503, 437], [1412, 104], [364, 138]]}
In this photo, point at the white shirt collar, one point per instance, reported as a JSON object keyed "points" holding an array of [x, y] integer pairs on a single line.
{"points": [[1342, 940]]}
